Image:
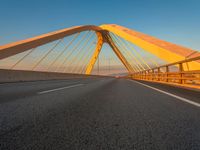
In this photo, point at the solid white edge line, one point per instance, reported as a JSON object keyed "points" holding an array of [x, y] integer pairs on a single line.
{"points": [[62, 88], [170, 94]]}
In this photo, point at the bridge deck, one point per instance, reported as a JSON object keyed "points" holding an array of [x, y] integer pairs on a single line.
{"points": [[97, 113]]}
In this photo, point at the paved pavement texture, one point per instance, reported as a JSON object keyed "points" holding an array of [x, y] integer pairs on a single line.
{"points": [[97, 114]]}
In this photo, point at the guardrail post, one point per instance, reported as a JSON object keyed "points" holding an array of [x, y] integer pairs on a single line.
{"points": [[142, 75], [158, 74], [180, 72], [167, 71], [152, 77], [145, 74], [150, 74]]}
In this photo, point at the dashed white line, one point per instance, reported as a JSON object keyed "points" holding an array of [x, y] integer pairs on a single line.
{"points": [[58, 89], [170, 94]]}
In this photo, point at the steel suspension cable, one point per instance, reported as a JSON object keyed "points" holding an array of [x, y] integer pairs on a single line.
{"points": [[63, 51], [83, 54], [73, 49], [78, 53], [83, 69], [20, 60], [117, 67], [139, 56], [87, 58], [77, 59], [135, 67], [138, 65], [107, 60], [152, 61], [138, 53], [114, 60], [54, 46], [69, 53]]}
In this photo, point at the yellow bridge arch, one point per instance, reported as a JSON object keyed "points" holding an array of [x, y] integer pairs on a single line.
{"points": [[164, 50]]}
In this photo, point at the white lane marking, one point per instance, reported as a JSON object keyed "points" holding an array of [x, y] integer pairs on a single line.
{"points": [[170, 94], [62, 88]]}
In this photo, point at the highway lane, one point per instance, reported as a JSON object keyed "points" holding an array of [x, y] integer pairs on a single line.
{"points": [[96, 113], [14, 91]]}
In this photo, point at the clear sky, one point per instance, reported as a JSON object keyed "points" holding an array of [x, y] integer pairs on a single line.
{"points": [[177, 21]]}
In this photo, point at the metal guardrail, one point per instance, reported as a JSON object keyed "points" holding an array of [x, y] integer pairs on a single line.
{"points": [[177, 76]]}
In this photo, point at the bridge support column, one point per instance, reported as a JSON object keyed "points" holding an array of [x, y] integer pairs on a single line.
{"points": [[96, 53], [118, 53]]}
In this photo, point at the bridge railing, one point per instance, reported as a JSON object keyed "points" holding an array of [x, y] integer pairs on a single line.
{"points": [[172, 75]]}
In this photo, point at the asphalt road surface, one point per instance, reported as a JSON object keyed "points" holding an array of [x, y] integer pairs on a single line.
{"points": [[98, 114]]}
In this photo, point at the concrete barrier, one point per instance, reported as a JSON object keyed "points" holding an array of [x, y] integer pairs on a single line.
{"points": [[21, 75]]}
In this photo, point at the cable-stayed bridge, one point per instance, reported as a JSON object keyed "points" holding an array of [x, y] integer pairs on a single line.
{"points": [[99, 87]]}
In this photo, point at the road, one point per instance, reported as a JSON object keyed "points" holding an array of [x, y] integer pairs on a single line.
{"points": [[97, 114]]}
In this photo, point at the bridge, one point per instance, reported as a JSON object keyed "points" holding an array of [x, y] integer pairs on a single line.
{"points": [[65, 90]]}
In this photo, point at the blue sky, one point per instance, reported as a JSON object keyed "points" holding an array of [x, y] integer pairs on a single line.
{"points": [[177, 21]]}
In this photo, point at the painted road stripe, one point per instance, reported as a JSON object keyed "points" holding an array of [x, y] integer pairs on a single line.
{"points": [[170, 94], [58, 89]]}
